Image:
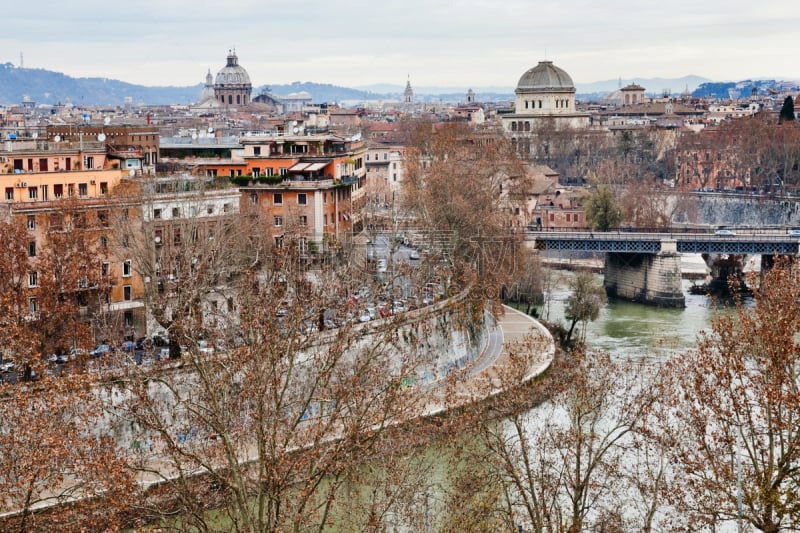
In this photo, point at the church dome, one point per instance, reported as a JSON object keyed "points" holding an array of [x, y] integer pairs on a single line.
{"points": [[232, 73], [546, 77]]}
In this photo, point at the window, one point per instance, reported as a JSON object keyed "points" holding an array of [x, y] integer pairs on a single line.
{"points": [[302, 199], [33, 193], [283, 172], [254, 198], [303, 220], [256, 172], [394, 177], [325, 220], [128, 319], [31, 222], [210, 210], [386, 156], [83, 189], [126, 293], [9, 193], [33, 279], [176, 236], [104, 269], [176, 212], [125, 214], [32, 249], [43, 164], [127, 271], [277, 198], [103, 242], [58, 190], [156, 213], [33, 305], [102, 219], [103, 187], [256, 150], [89, 162], [226, 208], [269, 172], [278, 222]]}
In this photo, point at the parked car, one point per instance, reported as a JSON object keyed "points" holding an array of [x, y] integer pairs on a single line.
{"points": [[724, 233], [7, 366], [364, 316], [382, 266], [58, 358], [75, 352], [794, 233], [100, 350], [413, 254]]}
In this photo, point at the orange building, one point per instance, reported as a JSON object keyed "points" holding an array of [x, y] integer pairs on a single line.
{"points": [[68, 197]]}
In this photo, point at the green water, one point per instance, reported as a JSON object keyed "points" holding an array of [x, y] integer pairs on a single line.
{"points": [[631, 330]]}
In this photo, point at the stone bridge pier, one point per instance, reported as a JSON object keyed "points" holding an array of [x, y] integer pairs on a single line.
{"points": [[652, 279], [723, 267]]}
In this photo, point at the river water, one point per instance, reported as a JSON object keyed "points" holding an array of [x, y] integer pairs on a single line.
{"points": [[632, 330]]}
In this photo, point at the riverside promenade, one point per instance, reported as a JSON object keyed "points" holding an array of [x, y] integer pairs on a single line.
{"points": [[515, 340]]}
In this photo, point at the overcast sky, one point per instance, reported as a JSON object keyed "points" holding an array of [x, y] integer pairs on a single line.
{"points": [[445, 43]]}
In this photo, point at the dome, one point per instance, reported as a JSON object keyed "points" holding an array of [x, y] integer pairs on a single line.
{"points": [[232, 73], [546, 77]]}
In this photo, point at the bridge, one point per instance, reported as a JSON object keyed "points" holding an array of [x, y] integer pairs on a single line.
{"points": [[644, 266]]}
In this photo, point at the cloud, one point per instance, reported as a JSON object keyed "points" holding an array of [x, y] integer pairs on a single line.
{"points": [[438, 42]]}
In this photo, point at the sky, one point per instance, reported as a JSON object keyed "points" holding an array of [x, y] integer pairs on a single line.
{"points": [[441, 43]]}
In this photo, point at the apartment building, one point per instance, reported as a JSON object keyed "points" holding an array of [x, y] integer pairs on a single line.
{"points": [[65, 204]]}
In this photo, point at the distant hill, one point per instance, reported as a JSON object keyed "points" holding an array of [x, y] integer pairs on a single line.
{"points": [[651, 85], [48, 87], [321, 92]]}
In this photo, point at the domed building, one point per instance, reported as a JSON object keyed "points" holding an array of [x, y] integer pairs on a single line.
{"points": [[545, 94], [232, 85]]}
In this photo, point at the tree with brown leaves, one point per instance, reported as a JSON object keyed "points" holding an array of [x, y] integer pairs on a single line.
{"points": [[730, 413]]}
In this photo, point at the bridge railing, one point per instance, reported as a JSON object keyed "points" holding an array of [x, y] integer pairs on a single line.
{"points": [[739, 231]]}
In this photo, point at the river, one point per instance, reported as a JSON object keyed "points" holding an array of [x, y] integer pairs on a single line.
{"points": [[632, 330]]}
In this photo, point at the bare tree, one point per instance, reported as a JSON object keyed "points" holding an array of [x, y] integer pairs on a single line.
{"points": [[559, 466], [730, 419]]}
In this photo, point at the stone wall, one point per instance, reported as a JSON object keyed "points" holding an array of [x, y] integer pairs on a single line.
{"points": [[720, 209]]}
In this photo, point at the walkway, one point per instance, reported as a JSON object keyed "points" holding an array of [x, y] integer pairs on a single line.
{"points": [[515, 332]]}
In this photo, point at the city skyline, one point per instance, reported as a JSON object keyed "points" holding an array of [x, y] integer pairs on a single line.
{"points": [[444, 43]]}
